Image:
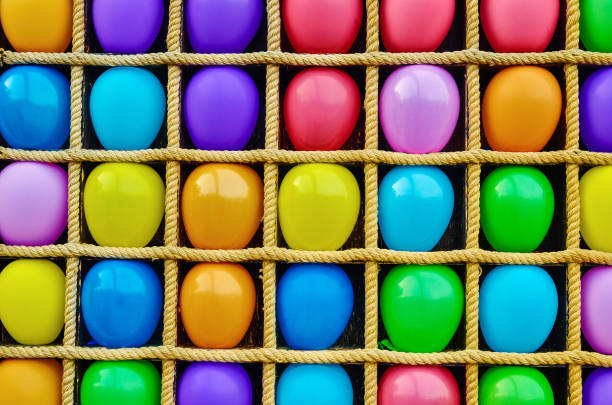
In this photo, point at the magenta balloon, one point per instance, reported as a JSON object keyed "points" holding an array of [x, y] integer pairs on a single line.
{"points": [[596, 308], [419, 108]]}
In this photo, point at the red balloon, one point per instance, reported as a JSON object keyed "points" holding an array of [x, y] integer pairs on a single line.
{"points": [[415, 25], [423, 385], [321, 109], [322, 26], [519, 25]]}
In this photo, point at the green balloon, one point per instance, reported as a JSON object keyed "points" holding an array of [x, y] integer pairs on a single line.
{"points": [[516, 208], [121, 382], [421, 307], [514, 385], [595, 27]]}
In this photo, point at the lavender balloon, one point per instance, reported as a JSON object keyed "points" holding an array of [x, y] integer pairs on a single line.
{"points": [[221, 106], [596, 308], [595, 106], [215, 26], [597, 389], [419, 108], [215, 383]]}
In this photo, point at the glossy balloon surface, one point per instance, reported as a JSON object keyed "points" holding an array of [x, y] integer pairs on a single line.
{"points": [[596, 308], [121, 302], [597, 387], [421, 307], [516, 208], [595, 104], [514, 385], [123, 204], [423, 385], [30, 382], [595, 213], [221, 105], [127, 107], [415, 204], [595, 28], [127, 26], [221, 26], [34, 107], [521, 108], [318, 204], [34, 203], [419, 108], [215, 383], [127, 382], [518, 307], [32, 301], [217, 302], [222, 205], [313, 318], [321, 108], [314, 384]]}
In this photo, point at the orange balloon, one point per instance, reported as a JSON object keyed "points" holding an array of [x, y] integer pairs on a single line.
{"points": [[37, 25], [30, 382], [521, 109], [222, 205], [217, 302]]}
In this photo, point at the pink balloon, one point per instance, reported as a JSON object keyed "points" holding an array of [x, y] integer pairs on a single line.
{"points": [[419, 108], [596, 308], [422, 385]]}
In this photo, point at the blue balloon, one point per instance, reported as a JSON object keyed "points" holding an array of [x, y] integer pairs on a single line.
{"points": [[415, 204], [314, 384], [518, 308], [121, 302], [314, 304], [34, 107], [127, 107]]}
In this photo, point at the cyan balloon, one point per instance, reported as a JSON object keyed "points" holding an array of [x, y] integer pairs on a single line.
{"points": [[314, 384]]}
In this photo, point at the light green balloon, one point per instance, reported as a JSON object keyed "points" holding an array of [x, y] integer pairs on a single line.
{"points": [[595, 27], [514, 385]]}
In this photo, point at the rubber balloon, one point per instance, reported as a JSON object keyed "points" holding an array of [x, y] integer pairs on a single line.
{"points": [[215, 383], [596, 307], [514, 385], [595, 28], [595, 101], [314, 384], [30, 382], [595, 214], [423, 385], [597, 387]]}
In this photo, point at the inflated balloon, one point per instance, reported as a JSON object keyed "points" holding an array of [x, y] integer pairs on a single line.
{"points": [[321, 108], [516, 208], [318, 204], [519, 25], [123, 204], [595, 202], [596, 308], [421, 307], [221, 106], [127, 107], [221, 26], [595, 28], [597, 387], [313, 318], [222, 205], [34, 203], [121, 302], [314, 384], [32, 301], [514, 385], [127, 382], [423, 385], [217, 302], [419, 108], [415, 204], [30, 382], [322, 26], [595, 103], [37, 25], [34, 107], [415, 25], [517, 322], [127, 26], [215, 383], [521, 108]]}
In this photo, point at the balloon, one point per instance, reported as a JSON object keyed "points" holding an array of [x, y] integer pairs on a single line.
{"points": [[514, 385], [314, 384], [595, 28], [423, 385], [596, 308], [595, 214], [597, 387], [30, 382], [595, 101], [215, 383]]}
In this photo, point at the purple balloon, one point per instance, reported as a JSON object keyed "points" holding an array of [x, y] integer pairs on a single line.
{"points": [[597, 389], [127, 26], [34, 203], [221, 106], [419, 108], [597, 307], [595, 106], [215, 26], [215, 383]]}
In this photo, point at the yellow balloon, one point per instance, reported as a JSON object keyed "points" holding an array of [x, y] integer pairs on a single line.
{"points": [[318, 205], [32, 300], [595, 203], [123, 204]]}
